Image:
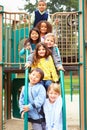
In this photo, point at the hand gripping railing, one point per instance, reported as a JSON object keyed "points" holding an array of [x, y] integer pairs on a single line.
{"points": [[63, 98], [26, 94]]}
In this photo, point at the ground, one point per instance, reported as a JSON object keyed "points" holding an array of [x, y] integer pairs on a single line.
{"points": [[72, 115]]}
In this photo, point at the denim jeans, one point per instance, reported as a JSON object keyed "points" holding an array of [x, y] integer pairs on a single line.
{"points": [[46, 83]]}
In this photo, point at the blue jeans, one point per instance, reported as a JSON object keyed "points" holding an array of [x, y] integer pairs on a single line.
{"points": [[46, 83], [37, 126]]}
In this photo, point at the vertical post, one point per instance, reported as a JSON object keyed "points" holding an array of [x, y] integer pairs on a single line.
{"points": [[26, 95], [1, 24], [8, 95], [82, 66], [85, 68], [71, 89], [63, 97]]}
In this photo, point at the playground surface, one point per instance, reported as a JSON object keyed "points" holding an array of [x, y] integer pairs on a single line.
{"points": [[72, 115]]}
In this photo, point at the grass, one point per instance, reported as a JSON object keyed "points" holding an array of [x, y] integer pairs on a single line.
{"points": [[75, 83]]}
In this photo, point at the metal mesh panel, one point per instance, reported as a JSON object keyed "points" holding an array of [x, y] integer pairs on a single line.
{"points": [[66, 32], [16, 28]]}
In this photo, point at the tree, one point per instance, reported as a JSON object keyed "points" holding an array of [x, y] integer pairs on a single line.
{"points": [[54, 5]]}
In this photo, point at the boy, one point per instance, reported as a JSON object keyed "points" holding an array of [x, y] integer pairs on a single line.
{"points": [[36, 98], [40, 13]]}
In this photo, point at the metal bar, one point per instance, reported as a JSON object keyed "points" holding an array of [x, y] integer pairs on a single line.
{"points": [[1, 69], [71, 89], [63, 98], [26, 96]]}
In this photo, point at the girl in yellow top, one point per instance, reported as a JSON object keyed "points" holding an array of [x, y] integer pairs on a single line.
{"points": [[42, 59]]}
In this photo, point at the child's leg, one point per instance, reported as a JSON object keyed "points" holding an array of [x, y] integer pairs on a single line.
{"points": [[46, 83], [36, 126]]}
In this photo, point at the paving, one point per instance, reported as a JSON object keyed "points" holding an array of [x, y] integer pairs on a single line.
{"points": [[72, 116]]}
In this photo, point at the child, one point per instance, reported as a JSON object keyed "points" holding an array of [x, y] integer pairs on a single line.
{"points": [[53, 108], [40, 13], [44, 27], [36, 98], [49, 40], [30, 43], [41, 58]]}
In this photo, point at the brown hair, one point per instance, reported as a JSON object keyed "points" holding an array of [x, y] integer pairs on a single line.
{"points": [[39, 71], [36, 57], [55, 87], [49, 26]]}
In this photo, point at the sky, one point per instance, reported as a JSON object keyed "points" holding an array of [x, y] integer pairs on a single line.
{"points": [[13, 5]]}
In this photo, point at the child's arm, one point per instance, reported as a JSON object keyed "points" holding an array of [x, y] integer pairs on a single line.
{"points": [[57, 58], [22, 52], [47, 114], [58, 114], [32, 17], [40, 98], [23, 108], [49, 19], [29, 61]]}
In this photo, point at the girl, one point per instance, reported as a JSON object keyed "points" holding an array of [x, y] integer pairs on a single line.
{"points": [[44, 28], [36, 98], [53, 108], [30, 43], [41, 58]]}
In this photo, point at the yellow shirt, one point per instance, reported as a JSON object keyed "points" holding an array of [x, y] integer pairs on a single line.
{"points": [[48, 67]]}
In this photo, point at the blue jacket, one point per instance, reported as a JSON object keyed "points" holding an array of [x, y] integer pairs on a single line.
{"points": [[22, 51], [34, 102], [56, 56]]}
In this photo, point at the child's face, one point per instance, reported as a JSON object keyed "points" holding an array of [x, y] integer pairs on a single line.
{"points": [[41, 51], [43, 28], [52, 95], [42, 6], [34, 35], [34, 77], [49, 41]]}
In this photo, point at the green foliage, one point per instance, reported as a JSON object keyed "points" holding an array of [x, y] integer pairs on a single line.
{"points": [[54, 6]]}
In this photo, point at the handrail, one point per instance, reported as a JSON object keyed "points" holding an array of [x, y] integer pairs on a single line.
{"points": [[63, 95], [63, 98], [26, 95]]}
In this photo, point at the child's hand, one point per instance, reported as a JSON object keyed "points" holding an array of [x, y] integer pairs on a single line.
{"points": [[27, 47], [25, 108], [27, 65], [55, 45], [60, 68]]}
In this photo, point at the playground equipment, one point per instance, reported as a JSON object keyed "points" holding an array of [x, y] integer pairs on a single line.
{"points": [[72, 43]]}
